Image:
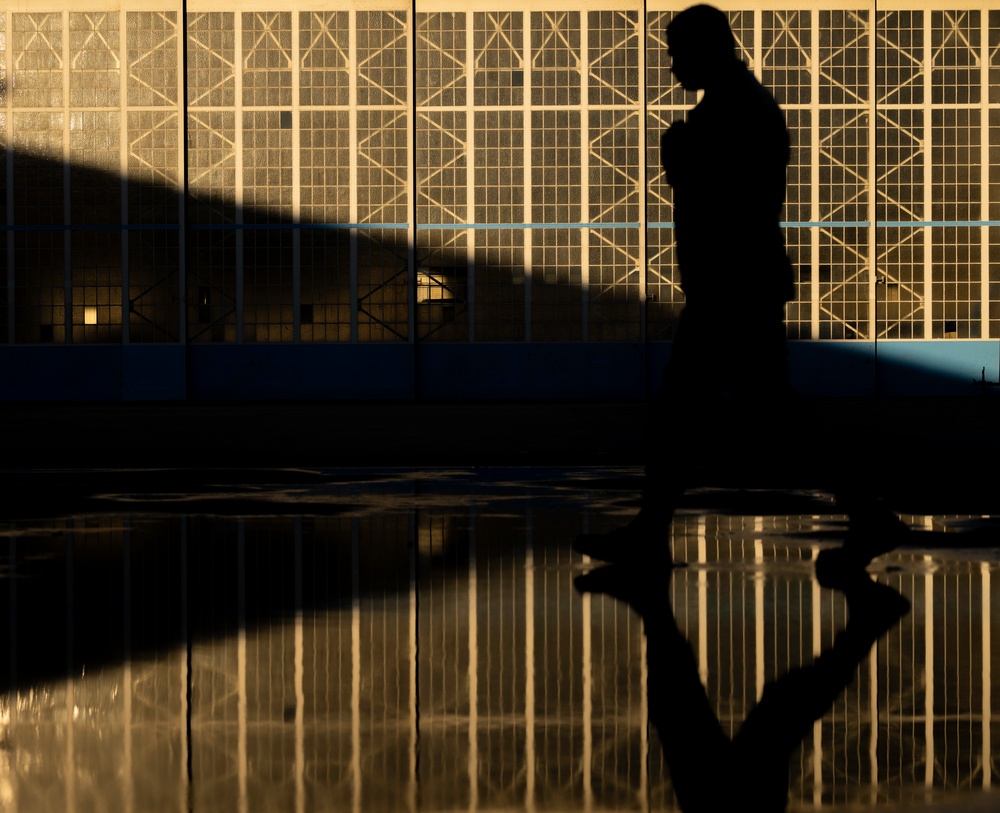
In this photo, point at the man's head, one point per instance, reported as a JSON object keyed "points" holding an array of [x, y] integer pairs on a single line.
{"points": [[701, 46]]}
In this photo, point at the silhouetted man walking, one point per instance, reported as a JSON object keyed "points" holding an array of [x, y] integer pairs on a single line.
{"points": [[726, 164], [726, 385]]}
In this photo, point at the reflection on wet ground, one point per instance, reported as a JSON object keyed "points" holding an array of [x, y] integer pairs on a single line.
{"points": [[309, 640]]}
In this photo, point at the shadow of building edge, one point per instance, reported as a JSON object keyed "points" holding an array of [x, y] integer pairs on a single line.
{"points": [[438, 363]]}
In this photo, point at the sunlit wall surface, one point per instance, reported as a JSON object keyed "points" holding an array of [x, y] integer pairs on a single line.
{"points": [[440, 659], [471, 172]]}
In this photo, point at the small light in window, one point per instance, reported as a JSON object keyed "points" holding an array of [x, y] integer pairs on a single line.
{"points": [[90, 315]]}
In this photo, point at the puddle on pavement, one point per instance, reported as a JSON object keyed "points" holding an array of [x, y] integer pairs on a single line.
{"points": [[415, 641]]}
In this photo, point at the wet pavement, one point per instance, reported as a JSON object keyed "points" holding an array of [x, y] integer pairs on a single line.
{"points": [[386, 638]]}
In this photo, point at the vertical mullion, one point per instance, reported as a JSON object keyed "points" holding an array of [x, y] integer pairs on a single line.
{"points": [[412, 178], [9, 177], [470, 165], [928, 180], [984, 172], [182, 169], [526, 126], [67, 210], [296, 185], [123, 169], [352, 50], [584, 62], [872, 333], [238, 158], [642, 179], [814, 177]]}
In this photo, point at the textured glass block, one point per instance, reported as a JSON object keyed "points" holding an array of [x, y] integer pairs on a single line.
{"points": [[441, 59], [153, 166], [899, 53], [267, 58], [324, 59], [843, 57], [37, 60], [786, 46], [152, 57], [94, 69], [498, 45], [956, 49], [555, 58], [211, 59], [382, 57], [613, 57], [442, 167], [325, 166]]}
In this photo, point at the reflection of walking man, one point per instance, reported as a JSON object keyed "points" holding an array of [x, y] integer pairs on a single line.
{"points": [[726, 164]]}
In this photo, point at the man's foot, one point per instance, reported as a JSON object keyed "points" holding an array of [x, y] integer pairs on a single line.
{"points": [[643, 540]]}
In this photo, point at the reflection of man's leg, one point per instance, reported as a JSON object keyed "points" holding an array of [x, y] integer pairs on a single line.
{"points": [[696, 749], [792, 703], [694, 745]]}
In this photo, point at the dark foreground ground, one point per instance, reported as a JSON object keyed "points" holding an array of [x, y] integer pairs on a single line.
{"points": [[922, 455]]}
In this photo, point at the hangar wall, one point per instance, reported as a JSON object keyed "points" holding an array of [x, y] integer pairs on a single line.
{"points": [[455, 199]]}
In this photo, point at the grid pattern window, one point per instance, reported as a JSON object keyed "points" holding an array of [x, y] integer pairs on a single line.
{"points": [[517, 134]]}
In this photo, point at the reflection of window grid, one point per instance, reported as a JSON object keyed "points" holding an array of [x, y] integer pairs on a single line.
{"points": [[324, 62], [97, 287], [267, 285], [899, 265], [39, 288], [555, 55], [498, 42], [956, 308], [326, 285], [94, 62], [267, 58]]}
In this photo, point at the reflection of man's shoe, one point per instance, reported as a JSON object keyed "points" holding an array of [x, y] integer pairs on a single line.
{"points": [[872, 605], [872, 531], [644, 540], [639, 588]]}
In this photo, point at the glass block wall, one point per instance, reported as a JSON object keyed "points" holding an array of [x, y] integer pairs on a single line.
{"points": [[472, 172]]}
